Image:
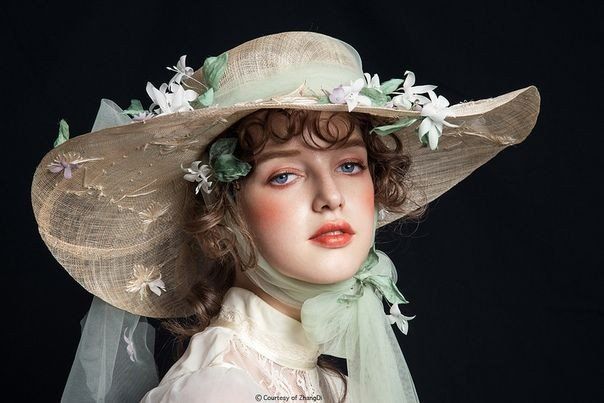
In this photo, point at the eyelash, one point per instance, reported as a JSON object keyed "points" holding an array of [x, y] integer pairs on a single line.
{"points": [[357, 163]]}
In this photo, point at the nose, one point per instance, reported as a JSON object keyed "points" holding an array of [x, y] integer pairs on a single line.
{"points": [[327, 194]]}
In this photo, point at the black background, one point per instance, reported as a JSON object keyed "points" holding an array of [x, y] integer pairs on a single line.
{"points": [[504, 274]]}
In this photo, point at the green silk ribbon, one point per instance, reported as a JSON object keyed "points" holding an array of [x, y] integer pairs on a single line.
{"points": [[381, 282]]}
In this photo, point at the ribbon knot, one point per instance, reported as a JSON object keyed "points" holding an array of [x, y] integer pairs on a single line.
{"points": [[371, 274]]}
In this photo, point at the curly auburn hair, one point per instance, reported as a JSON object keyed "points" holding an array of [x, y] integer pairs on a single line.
{"points": [[213, 226]]}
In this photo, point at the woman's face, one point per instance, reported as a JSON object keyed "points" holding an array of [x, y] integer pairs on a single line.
{"points": [[296, 193]]}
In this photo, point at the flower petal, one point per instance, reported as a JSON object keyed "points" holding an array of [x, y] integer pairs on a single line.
{"points": [[409, 79], [67, 172], [433, 135], [337, 95], [357, 85], [352, 103], [449, 124], [424, 127], [442, 102], [394, 310], [422, 100], [421, 89], [190, 177], [55, 168], [150, 91], [157, 286], [190, 95]]}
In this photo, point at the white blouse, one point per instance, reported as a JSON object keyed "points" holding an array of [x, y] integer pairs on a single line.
{"points": [[251, 352]]}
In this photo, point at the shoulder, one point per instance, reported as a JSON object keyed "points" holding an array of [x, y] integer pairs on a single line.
{"points": [[204, 349], [211, 384], [201, 375]]}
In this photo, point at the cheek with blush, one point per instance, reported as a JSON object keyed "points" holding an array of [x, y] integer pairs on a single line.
{"points": [[365, 196], [264, 213]]}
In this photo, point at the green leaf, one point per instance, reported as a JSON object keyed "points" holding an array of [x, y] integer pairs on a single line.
{"points": [[323, 99], [134, 108], [424, 139], [229, 168], [225, 165], [389, 86], [206, 99], [222, 146], [213, 70], [388, 289], [377, 98], [396, 126], [63, 133]]}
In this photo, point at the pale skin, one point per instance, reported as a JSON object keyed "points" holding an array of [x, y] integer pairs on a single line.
{"points": [[291, 194]]}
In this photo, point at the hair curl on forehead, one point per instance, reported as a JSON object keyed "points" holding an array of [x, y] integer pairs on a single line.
{"points": [[281, 125]]}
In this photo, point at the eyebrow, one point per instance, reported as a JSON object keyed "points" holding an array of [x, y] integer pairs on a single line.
{"points": [[288, 153]]}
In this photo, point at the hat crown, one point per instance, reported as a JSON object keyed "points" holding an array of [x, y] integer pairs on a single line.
{"points": [[278, 64]]}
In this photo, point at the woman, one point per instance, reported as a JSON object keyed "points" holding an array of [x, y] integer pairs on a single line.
{"points": [[307, 206], [282, 266]]}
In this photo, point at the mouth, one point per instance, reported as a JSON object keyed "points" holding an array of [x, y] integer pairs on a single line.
{"points": [[333, 235]]}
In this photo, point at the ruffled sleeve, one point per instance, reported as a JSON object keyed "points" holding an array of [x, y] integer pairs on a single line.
{"points": [[212, 384], [201, 375]]}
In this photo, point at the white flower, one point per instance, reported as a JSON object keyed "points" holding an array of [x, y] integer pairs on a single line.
{"points": [[397, 317], [181, 70], [372, 82], [349, 94], [152, 214], [435, 112], [159, 97], [410, 93], [170, 98], [180, 98], [142, 278], [199, 173], [142, 116], [130, 346]]}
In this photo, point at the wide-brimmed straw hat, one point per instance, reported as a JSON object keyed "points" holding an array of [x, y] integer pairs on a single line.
{"points": [[111, 204]]}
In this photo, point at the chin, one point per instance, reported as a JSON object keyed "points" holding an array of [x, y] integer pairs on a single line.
{"points": [[328, 272], [318, 265]]}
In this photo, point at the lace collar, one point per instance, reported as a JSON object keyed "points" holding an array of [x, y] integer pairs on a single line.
{"points": [[267, 330]]}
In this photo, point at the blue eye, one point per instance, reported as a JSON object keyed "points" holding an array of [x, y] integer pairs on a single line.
{"points": [[349, 167], [280, 179]]}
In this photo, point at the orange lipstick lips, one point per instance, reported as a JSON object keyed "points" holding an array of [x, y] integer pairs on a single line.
{"points": [[333, 235]]}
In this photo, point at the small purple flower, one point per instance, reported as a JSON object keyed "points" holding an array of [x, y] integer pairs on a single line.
{"points": [[61, 164], [338, 95]]}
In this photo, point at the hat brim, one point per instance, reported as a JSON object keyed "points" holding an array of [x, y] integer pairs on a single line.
{"points": [[124, 207]]}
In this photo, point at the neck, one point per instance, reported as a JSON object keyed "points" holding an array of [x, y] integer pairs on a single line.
{"points": [[242, 281]]}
